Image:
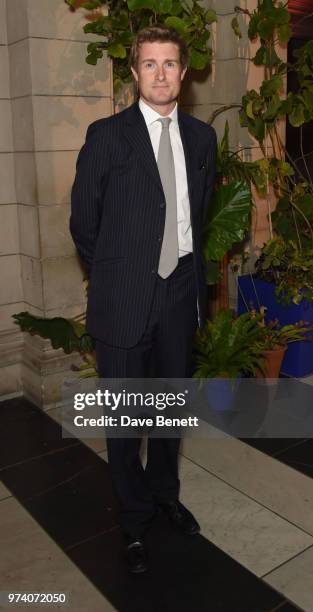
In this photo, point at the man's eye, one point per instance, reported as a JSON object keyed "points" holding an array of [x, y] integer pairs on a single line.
{"points": [[170, 64], [149, 65]]}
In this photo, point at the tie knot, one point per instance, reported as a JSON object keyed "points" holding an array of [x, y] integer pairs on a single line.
{"points": [[165, 122]]}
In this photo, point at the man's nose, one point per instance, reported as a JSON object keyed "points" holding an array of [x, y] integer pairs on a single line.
{"points": [[160, 73]]}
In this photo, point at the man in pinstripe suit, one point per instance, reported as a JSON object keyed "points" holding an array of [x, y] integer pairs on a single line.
{"points": [[137, 227]]}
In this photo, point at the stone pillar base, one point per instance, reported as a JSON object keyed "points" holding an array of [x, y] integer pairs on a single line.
{"points": [[31, 367], [11, 350], [44, 370]]}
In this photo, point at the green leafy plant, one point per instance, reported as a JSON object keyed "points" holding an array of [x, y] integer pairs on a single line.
{"points": [[289, 179], [270, 23], [228, 347], [261, 111], [67, 334], [273, 336], [227, 222], [232, 346], [231, 167], [125, 18], [289, 267], [230, 208]]}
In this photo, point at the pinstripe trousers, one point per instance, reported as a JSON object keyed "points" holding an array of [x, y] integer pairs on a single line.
{"points": [[164, 351]]}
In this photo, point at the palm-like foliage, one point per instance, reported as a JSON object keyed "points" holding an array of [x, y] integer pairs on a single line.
{"points": [[67, 334], [231, 167], [228, 347]]}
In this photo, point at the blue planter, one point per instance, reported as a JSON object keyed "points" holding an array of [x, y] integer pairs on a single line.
{"points": [[221, 393], [298, 360]]}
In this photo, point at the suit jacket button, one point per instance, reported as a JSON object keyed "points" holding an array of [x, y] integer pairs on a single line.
{"points": [[162, 205], [153, 271], [159, 238]]}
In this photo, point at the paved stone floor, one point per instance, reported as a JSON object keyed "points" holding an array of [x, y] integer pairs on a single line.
{"points": [[59, 531]]}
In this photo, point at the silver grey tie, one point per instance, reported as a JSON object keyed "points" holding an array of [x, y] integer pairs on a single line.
{"points": [[169, 251]]}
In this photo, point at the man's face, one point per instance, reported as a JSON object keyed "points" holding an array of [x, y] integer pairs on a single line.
{"points": [[159, 73]]}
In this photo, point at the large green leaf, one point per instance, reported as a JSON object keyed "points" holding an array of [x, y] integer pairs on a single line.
{"points": [[285, 168], [117, 50], [177, 8], [297, 117], [93, 57], [163, 6], [199, 59], [271, 86], [210, 16], [271, 58], [284, 33], [253, 25], [63, 333], [260, 56], [187, 6], [91, 5], [177, 23], [249, 109], [282, 16], [228, 219], [266, 28], [305, 204], [307, 97], [272, 109], [286, 105], [267, 5], [257, 128], [235, 26], [125, 38], [243, 118], [121, 21], [137, 5], [201, 41]]}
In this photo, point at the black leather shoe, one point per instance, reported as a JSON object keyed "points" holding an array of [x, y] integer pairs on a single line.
{"points": [[136, 556], [180, 517]]}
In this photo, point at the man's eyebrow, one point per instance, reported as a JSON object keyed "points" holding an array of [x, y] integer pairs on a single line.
{"points": [[148, 59]]}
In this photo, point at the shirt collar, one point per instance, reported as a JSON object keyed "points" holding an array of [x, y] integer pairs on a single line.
{"points": [[150, 115]]}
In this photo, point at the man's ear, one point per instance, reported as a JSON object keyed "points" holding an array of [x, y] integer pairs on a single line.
{"points": [[183, 73], [135, 75]]}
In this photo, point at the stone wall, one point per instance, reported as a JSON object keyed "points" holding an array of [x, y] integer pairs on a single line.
{"points": [[48, 98]]}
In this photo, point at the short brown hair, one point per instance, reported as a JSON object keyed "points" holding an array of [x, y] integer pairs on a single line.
{"points": [[158, 34]]}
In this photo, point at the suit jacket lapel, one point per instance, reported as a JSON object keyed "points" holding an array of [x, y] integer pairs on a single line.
{"points": [[137, 134], [189, 145]]}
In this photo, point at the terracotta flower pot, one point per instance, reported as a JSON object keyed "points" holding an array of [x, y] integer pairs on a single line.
{"points": [[273, 360]]}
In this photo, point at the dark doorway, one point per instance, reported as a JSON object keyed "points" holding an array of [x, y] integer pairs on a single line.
{"points": [[302, 26]]}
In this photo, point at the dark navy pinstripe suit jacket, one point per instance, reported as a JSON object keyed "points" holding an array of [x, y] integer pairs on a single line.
{"points": [[118, 214]]}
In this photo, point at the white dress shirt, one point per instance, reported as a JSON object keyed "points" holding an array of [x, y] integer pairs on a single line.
{"points": [[183, 205]]}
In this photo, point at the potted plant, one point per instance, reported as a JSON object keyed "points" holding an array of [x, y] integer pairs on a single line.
{"points": [[228, 346], [225, 350], [289, 268], [274, 340], [290, 273], [246, 345]]}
